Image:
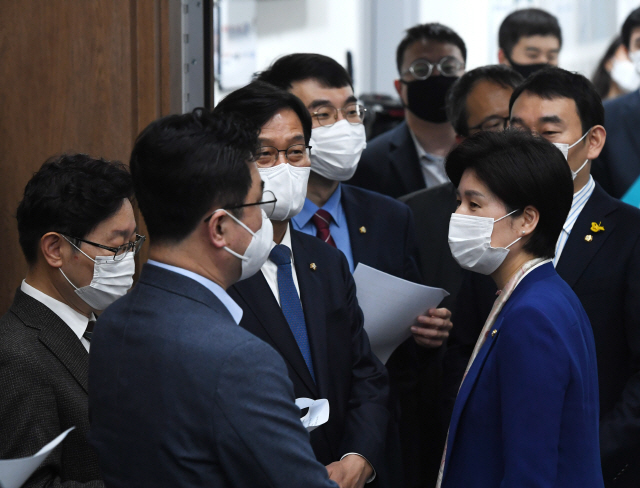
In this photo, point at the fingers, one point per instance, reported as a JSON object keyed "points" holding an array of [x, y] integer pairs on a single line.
{"points": [[433, 329]]}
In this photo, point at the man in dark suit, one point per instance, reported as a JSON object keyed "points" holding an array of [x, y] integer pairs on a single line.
{"points": [[74, 222], [618, 167], [410, 157], [182, 396], [597, 254]]}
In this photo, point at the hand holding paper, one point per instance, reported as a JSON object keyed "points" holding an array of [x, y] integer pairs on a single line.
{"points": [[317, 415]]}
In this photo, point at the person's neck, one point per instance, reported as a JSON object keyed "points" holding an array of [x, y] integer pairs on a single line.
{"points": [[512, 263], [279, 230], [582, 179], [320, 189], [38, 277], [189, 258], [436, 139]]}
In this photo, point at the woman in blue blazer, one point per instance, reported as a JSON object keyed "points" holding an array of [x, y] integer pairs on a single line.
{"points": [[526, 414]]}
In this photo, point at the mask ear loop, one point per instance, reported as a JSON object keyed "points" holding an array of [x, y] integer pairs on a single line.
{"points": [[241, 224], [510, 213]]}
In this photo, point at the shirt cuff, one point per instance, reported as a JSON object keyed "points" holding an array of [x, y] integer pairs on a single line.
{"points": [[373, 476]]}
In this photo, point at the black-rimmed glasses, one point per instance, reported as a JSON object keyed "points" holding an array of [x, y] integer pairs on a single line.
{"points": [[296, 154], [421, 69], [491, 124], [266, 203], [327, 115], [118, 252]]}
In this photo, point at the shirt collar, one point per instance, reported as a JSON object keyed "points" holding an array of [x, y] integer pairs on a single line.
{"points": [[286, 241], [424, 155], [332, 206], [233, 308], [577, 204], [75, 320]]}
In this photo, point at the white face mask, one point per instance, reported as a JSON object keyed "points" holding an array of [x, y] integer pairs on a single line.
{"points": [[258, 249], [111, 280], [337, 149], [635, 59], [564, 148], [625, 75], [289, 185], [470, 243]]}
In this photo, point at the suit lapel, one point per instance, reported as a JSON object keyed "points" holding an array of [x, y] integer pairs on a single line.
{"points": [[357, 217], [578, 252], [56, 336], [404, 158], [312, 298], [257, 294]]}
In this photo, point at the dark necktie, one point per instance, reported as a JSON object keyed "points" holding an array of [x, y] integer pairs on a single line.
{"points": [[89, 330], [321, 219], [290, 302]]}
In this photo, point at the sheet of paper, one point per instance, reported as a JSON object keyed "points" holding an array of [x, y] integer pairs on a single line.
{"points": [[391, 306], [317, 415], [14, 472]]}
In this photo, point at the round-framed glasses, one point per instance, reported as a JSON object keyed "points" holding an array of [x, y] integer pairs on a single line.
{"points": [[421, 69], [327, 115], [491, 124], [118, 252], [296, 154]]}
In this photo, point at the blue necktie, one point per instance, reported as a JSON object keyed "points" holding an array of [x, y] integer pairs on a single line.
{"points": [[290, 302]]}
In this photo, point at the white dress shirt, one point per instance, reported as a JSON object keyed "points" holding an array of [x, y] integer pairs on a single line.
{"points": [[270, 269], [234, 309], [75, 320], [432, 166], [580, 199]]}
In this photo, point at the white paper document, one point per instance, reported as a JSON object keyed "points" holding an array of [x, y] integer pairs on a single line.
{"points": [[317, 415], [391, 306], [14, 472]]}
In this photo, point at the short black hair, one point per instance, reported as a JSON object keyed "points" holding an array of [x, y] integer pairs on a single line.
{"points": [[499, 74], [183, 165], [304, 66], [550, 83], [601, 78], [70, 194], [630, 23], [527, 22], [520, 169], [259, 102], [429, 32]]}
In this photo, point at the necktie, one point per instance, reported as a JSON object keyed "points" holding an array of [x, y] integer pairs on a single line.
{"points": [[290, 302], [321, 219], [89, 330]]}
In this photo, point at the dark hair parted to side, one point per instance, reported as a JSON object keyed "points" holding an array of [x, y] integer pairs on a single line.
{"points": [[630, 23], [520, 169], [304, 66], [499, 74], [71, 194], [429, 32], [526, 23], [258, 102], [550, 83], [184, 165]]}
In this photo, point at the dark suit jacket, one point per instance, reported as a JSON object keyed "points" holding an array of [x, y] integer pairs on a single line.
{"points": [[390, 164], [527, 411], [183, 397], [604, 273], [43, 375], [618, 166], [347, 373]]}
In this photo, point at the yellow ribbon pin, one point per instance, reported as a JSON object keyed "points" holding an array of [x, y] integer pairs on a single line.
{"points": [[596, 227]]}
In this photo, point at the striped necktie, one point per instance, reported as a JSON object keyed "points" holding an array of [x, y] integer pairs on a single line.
{"points": [[321, 219]]}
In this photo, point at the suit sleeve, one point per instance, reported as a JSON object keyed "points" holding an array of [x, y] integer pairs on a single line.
{"points": [[367, 412], [533, 375], [620, 428], [29, 414], [257, 425]]}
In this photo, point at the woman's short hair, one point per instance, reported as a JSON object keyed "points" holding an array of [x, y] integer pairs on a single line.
{"points": [[520, 169]]}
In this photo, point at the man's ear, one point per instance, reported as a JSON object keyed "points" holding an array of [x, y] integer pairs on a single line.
{"points": [[502, 57], [217, 229], [596, 139], [459, 138], [398, 85], [50, 247]]}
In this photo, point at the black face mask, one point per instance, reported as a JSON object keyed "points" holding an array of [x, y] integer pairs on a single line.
{"points": [[427, 98], [527, 69]]}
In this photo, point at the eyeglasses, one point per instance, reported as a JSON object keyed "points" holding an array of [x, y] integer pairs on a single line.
{"points": [[118, 252], [296, 154], [266, 203], [327, 115], [421, 69], [491, 124]]}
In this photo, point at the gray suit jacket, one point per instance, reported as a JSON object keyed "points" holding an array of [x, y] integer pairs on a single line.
{"points": [[43, 376]]}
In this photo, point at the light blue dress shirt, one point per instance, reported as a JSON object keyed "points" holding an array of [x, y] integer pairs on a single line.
{"points": [[338, 226]]}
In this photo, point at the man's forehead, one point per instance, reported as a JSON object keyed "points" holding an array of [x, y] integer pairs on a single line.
{"points": [[311, 90], [535, 104], [432, 51], [548, 42]]}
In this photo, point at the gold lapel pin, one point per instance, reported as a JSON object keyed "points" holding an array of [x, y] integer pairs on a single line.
{"points": [[313, 266], [588, 238], [363, 230], [494, 332], [596, 227]]}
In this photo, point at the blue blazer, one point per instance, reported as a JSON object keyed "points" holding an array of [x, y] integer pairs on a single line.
{"points": [[181, 396], [527, 412], [390, 164], [618, 166]]}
